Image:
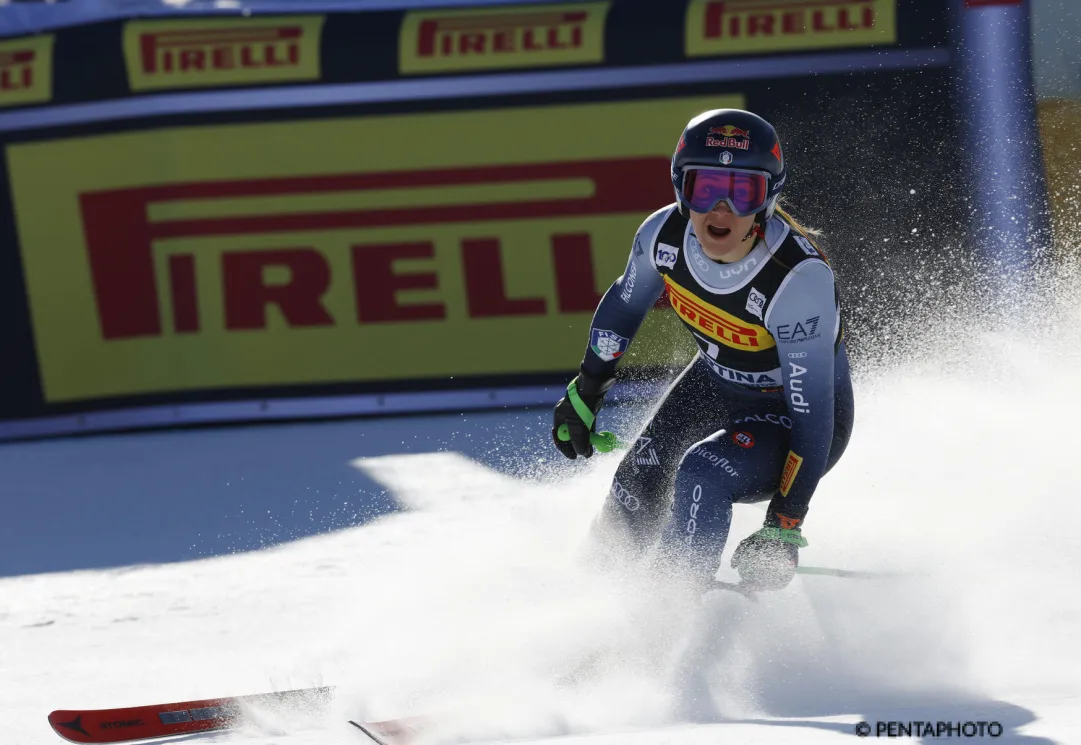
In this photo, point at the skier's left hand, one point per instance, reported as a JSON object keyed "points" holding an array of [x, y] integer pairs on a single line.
{"points": [[767, 560]]}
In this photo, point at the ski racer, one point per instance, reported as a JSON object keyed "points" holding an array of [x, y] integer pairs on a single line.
{"points": [[765, 408]]}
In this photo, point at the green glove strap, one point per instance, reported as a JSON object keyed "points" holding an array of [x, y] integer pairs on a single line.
{"points": [[794, 536], [584, 412], [604, 442]]}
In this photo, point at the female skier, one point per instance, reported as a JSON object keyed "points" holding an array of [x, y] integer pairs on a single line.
{"points": [[765, 408]]}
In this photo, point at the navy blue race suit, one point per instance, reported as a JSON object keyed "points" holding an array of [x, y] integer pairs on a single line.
{"points": [[763, 411]]}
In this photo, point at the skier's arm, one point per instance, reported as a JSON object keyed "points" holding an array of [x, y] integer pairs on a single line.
{"points": [[803, 320], [624, 306], [615, 322]]}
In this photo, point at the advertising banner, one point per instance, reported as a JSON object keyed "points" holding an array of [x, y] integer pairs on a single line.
{"points": [[204, 52], [367, 248], [732, 27], [437, 41], [26, 71]]}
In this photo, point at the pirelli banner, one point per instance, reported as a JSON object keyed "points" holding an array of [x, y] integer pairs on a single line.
{"points": [[273, 254], [230, 211], [141, 56]]}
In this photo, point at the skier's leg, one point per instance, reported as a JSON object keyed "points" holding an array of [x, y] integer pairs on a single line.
{"points": [[733, 465], [639, 498]]}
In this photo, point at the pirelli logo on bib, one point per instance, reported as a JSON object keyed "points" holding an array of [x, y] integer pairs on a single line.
{"points": [[788, 475], [26, 71], [723, 27], [715, 323], [230, 51], [433, 41]]}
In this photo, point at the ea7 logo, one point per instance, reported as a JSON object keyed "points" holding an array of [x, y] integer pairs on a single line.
{"points": [[801, 331]]}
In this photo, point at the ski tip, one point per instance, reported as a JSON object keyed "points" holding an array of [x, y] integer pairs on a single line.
{"points": [[69, 725], [366, 731]]}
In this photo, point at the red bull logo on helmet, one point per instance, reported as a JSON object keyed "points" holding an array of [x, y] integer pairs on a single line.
{"points": [[729, 130], [728, 136]]}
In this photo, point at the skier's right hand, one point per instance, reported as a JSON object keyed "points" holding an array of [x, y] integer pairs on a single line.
{"points": [[578, 410]]}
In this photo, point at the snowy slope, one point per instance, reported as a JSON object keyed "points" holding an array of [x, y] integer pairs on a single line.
{"points": [[456, 586]]}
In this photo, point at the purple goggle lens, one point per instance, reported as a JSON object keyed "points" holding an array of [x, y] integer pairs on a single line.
{"points": [[744, 191]]}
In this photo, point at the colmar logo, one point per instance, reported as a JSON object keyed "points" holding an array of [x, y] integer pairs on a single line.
{"points": [[769, 418], [509, 37], [791, 469], [170, 54], [715, 323], [717, 27]]}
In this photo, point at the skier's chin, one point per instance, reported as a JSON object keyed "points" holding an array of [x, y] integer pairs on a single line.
{"points": [[719, 249]]}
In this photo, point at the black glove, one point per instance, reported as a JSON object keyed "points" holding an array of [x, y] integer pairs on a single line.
{"points": [[590, 393], [767, 560]]}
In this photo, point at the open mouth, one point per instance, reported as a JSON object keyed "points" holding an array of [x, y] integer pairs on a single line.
{"points": [[718, 232]]}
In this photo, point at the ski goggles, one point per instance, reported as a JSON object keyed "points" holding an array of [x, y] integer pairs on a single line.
{"points": [[745, 192]]}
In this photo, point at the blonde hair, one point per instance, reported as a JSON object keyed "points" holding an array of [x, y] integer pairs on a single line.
{"points": [[806, 232]]}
